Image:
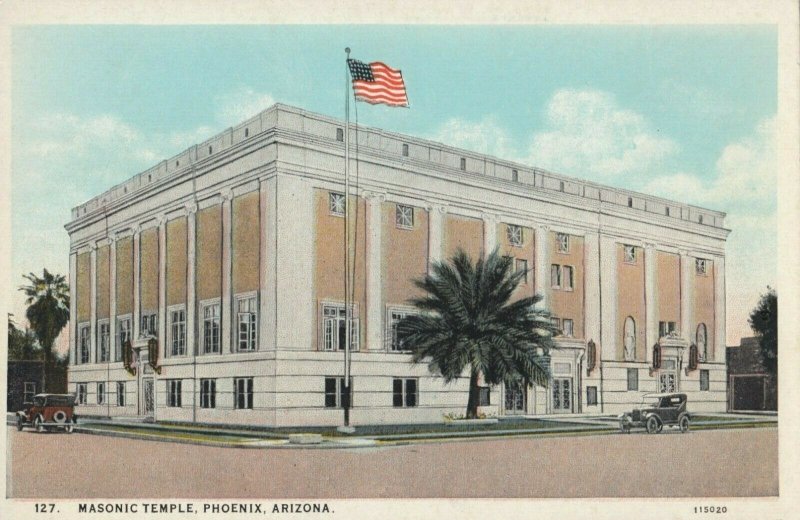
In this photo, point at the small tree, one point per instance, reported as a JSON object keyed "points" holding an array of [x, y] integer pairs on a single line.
{"points": [[468, 322], [22, 344], [48, 311], [764, 322]]}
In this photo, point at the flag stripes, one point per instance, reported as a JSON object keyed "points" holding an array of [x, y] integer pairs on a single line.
{"points": [[376, 83]]}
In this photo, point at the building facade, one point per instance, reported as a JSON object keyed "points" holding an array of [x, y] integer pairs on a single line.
{"points": [[222, 267]]}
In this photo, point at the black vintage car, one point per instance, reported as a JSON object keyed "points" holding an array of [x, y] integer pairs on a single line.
{"points": [[655, 412]]}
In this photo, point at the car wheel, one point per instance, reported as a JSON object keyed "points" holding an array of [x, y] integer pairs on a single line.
{"points": [[37, 423], [653, 425], [684, 424], [20, 424]]}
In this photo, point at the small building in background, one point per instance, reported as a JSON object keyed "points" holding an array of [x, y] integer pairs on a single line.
{"points": [[751, 387]]}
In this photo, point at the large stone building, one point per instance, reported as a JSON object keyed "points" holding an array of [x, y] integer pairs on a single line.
{"points": [[230, 254]]}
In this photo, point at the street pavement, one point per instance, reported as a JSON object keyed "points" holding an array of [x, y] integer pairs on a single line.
{"points": [[737, 462]]}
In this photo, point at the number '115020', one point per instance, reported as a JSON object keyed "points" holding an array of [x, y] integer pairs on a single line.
{"points": [[710, 509]]}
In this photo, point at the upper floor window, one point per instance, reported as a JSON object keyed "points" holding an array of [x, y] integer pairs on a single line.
{"points": [[630, 254], [336, 204], [247, 132], [514, 234], [395, 316], [149, 324], [247, 314], [522, 266], [28, 391], [210, 328], [700, 219], [556, 323], [405, 150], [515, 175], [339, 134], [463, 163], [104, 343], [568, 278], [665, 328], [701, 266], [562, 242], [567, 327], [404, 217], [83, 344], [555, 276], [177, 334], [666, 211], [124, 335], [630, 202], [334, 331]]}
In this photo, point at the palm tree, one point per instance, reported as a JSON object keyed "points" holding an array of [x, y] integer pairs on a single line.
{"points": [[468, 320], [48, 311]]}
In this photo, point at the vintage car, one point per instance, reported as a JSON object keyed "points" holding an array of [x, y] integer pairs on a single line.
{"points": [[655, 412], [49, 412]]}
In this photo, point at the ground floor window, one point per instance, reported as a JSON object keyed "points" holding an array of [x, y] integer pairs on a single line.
{"points": [[484, 396], [704, 381], [81, 390], [101, 393], [243, 393], [633, 379], [404, 392], [174, 393], [120, 393], [28, 391], [591, 395], [567, 327], [208, 393], [335, 392]]}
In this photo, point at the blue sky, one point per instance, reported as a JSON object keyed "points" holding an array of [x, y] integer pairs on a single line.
{"points": [[686, 112]]}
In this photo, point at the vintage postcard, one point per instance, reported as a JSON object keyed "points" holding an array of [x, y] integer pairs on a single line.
{"points": [[399, 261]]}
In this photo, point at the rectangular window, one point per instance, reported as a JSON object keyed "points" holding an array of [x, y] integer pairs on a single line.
{"points": [[701, 266], [515, 175], [555, 276], [568, 277], [336, 204], [333, 328], [28, 391], [174, 393], [404, 392], [665, 328], [247, 323], [81, 391], [567, 327], [555, 322], [177, 332], [404, 217], [335, 392], [120, 393], [101, 393], [463, 163], [208, 393], [514, 234], [704, 383], [633, 379], [395, 316], [562, 242], [630, 254], [104, 344], [405, 150], [484, 396], [339, 134], [83, 344], [591, 396], [210, 328], [522, 267], [243, 393], [123, 335], [149, 324]]}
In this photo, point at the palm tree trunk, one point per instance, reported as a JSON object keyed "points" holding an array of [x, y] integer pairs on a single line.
{"points": [[474, 396], [44, 371]]}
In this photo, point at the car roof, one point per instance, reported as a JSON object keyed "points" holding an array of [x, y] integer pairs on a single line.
{"points": [[665, 395], [53, 395]]}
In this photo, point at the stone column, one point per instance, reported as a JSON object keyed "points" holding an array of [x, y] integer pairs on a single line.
{"points": [[719, 309], [93, 357], [687, 297], [226, 315], [266, 332], [136, 284], [374, 314], [489, 232], [651, 300], [435, 233], [591, 266], [191, 262], [162, 286], [112, 300], [73, 307], [542, 269], [608, 293]]}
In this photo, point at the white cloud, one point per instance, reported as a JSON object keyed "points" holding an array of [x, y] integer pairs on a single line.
{"points": [[241, 104], [590, 135], [485, 136]]}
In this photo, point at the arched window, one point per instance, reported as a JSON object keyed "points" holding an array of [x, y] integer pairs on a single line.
{"points": [[629, 339], [701, 338]]}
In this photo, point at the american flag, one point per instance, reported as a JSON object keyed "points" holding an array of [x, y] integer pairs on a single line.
{"points": [[376, 83]]}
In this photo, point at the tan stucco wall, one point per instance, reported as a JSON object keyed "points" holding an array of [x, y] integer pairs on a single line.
{"points": [[84, 287], [704, 306], [148, 269], [405, 254], [245, 243], [103, 296], [465, 233], [176, 261], [124, 276], [209, 253], [329, 256], [568, 304], [631, 302], [668, 281], [525, 252]]}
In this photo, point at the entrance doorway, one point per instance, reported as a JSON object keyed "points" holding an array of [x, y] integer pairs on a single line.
{"points": [[515, 398], [668, 376], [562, 394]]}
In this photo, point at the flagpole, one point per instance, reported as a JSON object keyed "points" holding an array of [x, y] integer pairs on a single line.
{"points": [[347, 311]]}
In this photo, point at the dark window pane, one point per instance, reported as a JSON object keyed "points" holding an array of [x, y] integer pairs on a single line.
{"points": [[411, 392], [397, 392]]}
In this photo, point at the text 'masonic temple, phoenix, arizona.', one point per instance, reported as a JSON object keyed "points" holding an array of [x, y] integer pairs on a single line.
{"points": [[222, 268]]}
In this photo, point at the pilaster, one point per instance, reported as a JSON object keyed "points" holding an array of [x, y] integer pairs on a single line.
{"points": [[226, 315], [191, 262], [73, 307], [489, 232], [719, 308], [374, 311], [162, 286], [93, 304], [687, 297], [608, 294], [136, 282], [651, 300], [267, 258], [112, 300], [435, 233], [591, 266], [542, 269]]}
